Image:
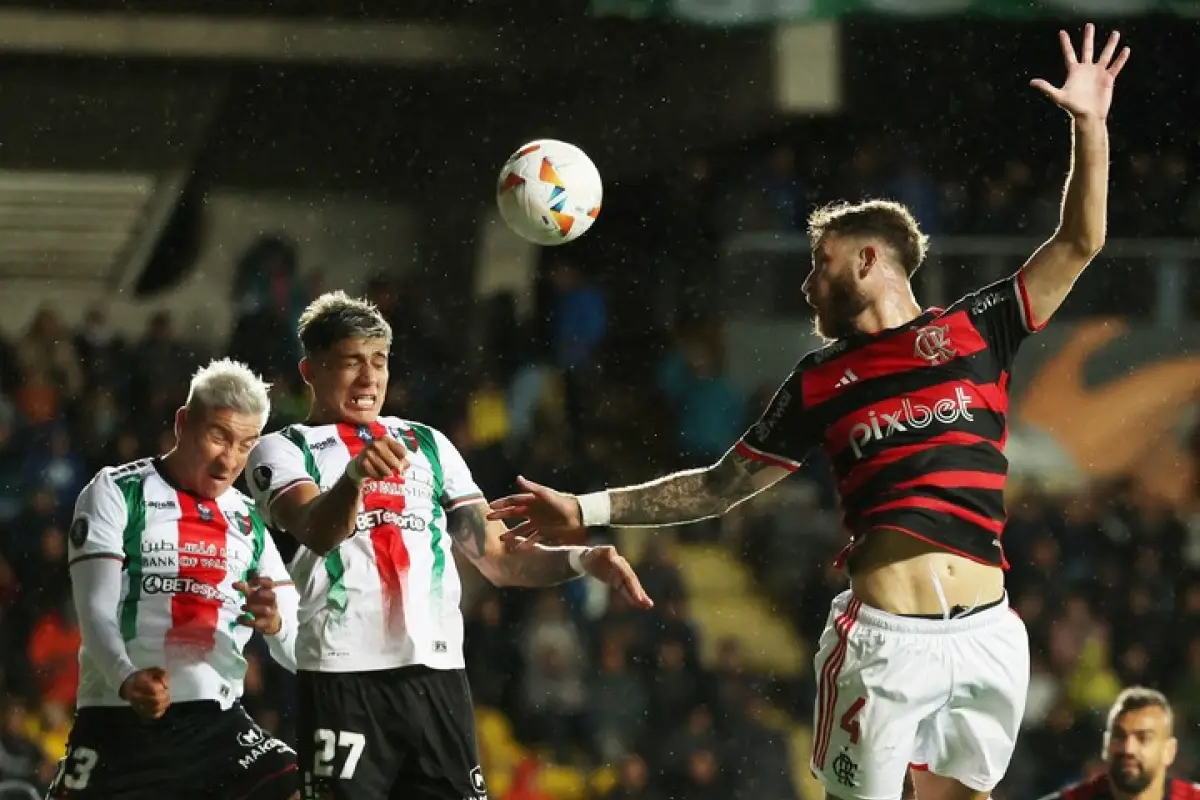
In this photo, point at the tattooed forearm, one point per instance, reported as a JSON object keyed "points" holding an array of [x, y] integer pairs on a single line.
{"points": [[536, 567], [467, 526], [692, 495]]}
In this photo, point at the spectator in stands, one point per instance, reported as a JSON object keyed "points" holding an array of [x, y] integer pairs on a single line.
{"points": [[21, 759], [47, 352], [710, 412], [54, 654], [617, 701], [554, 693]]}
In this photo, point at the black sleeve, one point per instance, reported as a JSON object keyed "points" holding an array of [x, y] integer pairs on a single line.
{"points": [[1001, 314], [783, 434]]}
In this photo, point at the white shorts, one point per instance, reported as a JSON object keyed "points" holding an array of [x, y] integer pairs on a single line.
{"points": [[943, 695]]}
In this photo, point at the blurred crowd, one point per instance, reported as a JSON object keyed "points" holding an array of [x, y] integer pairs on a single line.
{"points": [[1107, 583], [770, 189]]}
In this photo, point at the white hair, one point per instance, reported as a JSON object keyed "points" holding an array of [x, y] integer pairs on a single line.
{"points": [[226, 383]]}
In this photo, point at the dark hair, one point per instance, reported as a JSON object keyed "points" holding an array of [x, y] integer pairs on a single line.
{"points": [[1135, 698], [884, 219], [335, 316]]}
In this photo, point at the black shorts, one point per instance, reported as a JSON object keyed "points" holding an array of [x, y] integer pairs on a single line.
{"points": [[388, 734], [196, 751]]}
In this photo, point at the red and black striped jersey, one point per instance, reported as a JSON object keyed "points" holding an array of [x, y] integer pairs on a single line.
{"points": [[914, 420], [1099, 788]]}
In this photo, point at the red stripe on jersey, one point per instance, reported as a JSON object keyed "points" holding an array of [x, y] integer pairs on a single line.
{"points": [[758, 455], [1183, 790], [860, 473], [387, 540], [936, 504], [1027, 307], [890, 354], [840, 561], [196, 603], [942, 404], [956, 479]]}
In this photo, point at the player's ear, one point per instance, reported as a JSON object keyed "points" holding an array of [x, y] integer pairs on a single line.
{"points": [[868, 257], [180, 421], [305, 370], [1170, 750]]}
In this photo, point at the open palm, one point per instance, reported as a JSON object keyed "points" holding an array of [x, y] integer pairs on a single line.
{"points": [[1088, 89]]}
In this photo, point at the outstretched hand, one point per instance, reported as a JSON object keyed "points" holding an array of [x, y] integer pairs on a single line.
{"points": [[606, 564], [1088, 89], [544, 514]]}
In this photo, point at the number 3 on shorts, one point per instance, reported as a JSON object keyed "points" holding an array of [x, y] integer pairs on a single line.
{"points": [[849, 721], [75, 768], [327, 742]]}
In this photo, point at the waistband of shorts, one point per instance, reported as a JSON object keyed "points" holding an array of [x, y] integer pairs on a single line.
{"points": [[859, 613]]}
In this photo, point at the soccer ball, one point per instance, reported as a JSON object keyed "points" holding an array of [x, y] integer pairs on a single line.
{"points": [[549, 192]]}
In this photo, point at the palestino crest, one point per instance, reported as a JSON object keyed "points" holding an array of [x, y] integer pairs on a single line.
{"points": [[933, 346]]}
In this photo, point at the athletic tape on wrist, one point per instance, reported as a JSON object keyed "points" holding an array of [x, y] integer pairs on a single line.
{"points": [[595, 509]]}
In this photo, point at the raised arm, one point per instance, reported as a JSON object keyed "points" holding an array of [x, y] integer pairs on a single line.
{"points": [[687, 496], [772, 449], [288, 495], [1086, 96]]}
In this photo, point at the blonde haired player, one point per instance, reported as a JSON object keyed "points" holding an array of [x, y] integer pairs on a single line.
{"points": [[172, 570]]}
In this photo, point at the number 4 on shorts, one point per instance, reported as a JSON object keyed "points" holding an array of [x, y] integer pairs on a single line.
{"points": [[850, 719], [327, 742]]}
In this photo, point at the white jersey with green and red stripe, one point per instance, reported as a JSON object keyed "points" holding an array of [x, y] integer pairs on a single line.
{"points": [[181, 555], [388, 596]]}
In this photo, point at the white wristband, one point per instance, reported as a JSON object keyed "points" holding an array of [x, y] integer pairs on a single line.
{"points": [[595, 509], [575, 559]]}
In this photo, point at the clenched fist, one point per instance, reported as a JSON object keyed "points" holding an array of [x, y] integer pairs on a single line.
{"points": [[381, 458], [148, 691]]}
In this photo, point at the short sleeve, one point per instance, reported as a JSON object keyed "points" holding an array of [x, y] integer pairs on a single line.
{"points": [[458, 485], [275, 466], [1002, 315], [98, 526], [783, 435]]}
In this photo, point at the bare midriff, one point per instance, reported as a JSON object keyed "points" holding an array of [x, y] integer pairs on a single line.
{"points": [[900, 574]]}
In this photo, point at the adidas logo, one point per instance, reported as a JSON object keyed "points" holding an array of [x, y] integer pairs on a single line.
{"points": [[847, 379]]}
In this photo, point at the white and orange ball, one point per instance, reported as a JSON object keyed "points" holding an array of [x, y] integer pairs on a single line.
{"points": [[549, 192]]}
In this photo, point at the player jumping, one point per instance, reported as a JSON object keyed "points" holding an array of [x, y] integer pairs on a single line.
{"points": [[1139, 748], [921, 661], [172, 569], [375, 505]]}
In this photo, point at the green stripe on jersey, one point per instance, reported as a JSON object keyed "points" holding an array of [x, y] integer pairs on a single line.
{"points": [[429, 448], [335, 568], [296, 437], [258, 532], [131, 487]]}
